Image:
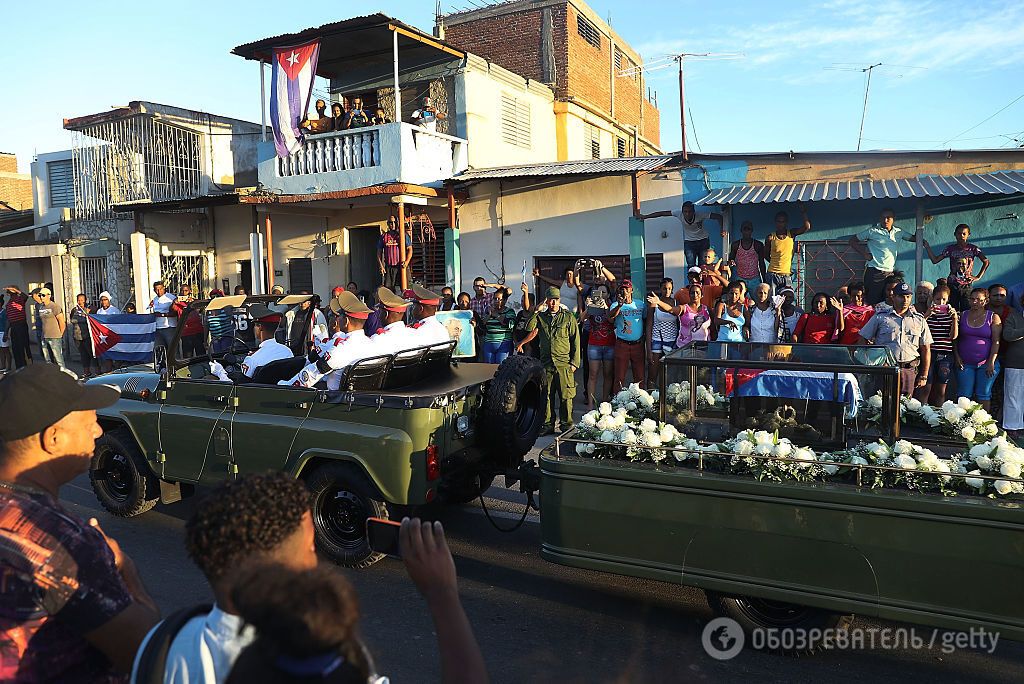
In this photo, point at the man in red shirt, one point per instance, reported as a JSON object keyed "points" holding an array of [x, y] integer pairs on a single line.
{"points": [[17, 326], [389, 254]]}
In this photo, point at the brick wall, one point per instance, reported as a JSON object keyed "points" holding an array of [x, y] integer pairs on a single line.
{"points": [[513, 40], [15, 188]]}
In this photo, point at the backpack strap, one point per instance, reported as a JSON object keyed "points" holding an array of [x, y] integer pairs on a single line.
{"points": [[153, 657]]}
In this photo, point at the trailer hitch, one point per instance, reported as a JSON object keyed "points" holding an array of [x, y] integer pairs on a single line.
{"points": [[528, 477]]}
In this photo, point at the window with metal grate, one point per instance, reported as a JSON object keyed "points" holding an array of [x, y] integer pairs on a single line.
{"points": [[591, 141], [61, 177], [300, 275], [515, 121], [621, 148], [588, 31]]}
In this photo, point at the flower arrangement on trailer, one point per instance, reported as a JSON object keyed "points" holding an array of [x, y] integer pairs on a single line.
{"points": [[964, 418], [625, 429]]}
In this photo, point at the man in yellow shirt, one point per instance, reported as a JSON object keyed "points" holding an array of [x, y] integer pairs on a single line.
{"points": [[781, 245]]}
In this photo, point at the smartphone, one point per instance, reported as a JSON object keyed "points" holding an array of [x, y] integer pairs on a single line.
{"points": [[383, 536], [943, 309]]}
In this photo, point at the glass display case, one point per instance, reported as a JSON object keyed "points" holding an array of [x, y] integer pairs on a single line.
{"points": [[815, 395]]}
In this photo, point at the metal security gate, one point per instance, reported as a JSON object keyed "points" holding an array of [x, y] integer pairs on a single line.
{"points": [[92, 272], [178, 270], [825, 266]]}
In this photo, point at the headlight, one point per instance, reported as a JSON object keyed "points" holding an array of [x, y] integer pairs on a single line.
{"points": [[462, 425]]}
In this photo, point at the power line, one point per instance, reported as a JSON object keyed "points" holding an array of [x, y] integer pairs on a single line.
{"points": [[694, 127], [1013, 102]]}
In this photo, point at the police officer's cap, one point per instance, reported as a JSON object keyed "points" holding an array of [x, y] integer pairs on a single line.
{"points": [[425, 296], [261, 314], [350, 305], [390, 300]]}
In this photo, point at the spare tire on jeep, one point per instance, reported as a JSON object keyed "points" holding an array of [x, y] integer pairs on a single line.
{"points": [[513, 410]]}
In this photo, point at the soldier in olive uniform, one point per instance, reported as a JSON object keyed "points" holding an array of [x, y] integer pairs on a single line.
{"points": [[559, 344]]}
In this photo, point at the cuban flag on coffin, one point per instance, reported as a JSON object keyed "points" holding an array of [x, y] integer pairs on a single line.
{"points": [[819, 386], [123, 337], [290, 89]]}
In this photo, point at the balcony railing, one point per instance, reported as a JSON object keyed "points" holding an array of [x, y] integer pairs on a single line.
{"points": [[341, 151], [345, 160]]}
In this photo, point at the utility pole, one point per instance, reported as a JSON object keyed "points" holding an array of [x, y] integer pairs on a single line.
{"points": [[682, 107], [864, 112]]}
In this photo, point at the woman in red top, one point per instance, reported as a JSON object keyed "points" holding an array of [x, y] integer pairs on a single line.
{"points": [[822, 323], [601, 343], [855, 315]]}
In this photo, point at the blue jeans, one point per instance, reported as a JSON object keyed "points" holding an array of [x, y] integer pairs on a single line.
{"points": [[694, 251], [53, 350], [495, 352], [972, 382], [778, 281]]}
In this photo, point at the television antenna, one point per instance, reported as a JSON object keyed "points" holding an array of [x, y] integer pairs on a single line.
{"points": [[678, 59], [851, 66]]}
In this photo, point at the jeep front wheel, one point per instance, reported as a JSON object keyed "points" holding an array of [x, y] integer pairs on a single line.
{"points": [[340, 510], [119, 475]]}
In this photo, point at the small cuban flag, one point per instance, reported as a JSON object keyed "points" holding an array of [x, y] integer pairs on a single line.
{"points": [[123, 337], [291, 86]]}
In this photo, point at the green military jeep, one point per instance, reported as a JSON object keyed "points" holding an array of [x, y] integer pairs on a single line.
{"points": [[403, 430]]}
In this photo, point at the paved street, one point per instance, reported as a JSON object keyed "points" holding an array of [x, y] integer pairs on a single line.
{"points": [[537, 621]]}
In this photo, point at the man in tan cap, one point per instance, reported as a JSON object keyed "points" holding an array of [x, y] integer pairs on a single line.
{"points": [[394, 336], [347, 346], [74, 606], [428, 330]]}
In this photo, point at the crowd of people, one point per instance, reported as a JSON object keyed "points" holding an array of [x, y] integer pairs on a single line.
{"points": [[76, 607], [350, 113]]}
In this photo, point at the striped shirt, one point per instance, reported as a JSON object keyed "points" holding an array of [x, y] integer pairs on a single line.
{"points": [[16, 308], [391, 247], [941, 325]]}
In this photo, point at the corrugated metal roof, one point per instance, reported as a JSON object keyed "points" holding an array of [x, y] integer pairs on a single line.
{"points": [[586, 167], [998, 183]]}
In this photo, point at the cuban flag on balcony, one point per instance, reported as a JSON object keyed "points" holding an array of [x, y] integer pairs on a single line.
{"points": [[123, 337], [290, 89]]}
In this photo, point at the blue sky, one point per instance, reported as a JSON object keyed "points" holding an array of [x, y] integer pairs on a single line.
{"points": [[65, 59]]}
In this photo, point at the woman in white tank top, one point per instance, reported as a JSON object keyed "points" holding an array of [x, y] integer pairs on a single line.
{"points": [[763, 318]]}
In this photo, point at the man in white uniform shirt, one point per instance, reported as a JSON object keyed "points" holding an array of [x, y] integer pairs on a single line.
{"points": [[347, 346], [394, 336], [427, 329], [265, 324], [162, 306]]}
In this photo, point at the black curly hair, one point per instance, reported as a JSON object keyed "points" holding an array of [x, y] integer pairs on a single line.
{"points": [[243, 517]]}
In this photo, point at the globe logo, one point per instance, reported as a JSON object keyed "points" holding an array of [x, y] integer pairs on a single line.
{"points": [[723, 638]]}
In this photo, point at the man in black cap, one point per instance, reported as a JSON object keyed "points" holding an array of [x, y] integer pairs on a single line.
{"points": [[394, 336], [428, 329], [73, 605], [346, 347], [265, 324], [905, 332], [559, 345]]}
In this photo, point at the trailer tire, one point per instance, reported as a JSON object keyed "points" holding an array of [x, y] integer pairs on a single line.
{"points": [[513, 410], [754, 614], [341, 506], [120, 477]]}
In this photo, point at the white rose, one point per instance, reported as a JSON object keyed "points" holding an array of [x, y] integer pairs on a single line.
{"points": [[914, 404], [782, 449], [631, 406], [878, 450], [653, 440], [764, 448], [629, 437], [804, 453], [1003, 487], [975, 482], [605, 408], [581, 448], [648, 425], [983, 462], [830, 469], [646, 400], [622, 397], [926, 456], [667, 434], [674, 388], [858, 460], [905, 462], [1010, 469], [875, 401], [763, 436], [980, 450], [980, 417], [608, 436], [655, 395], [743, 448], [991, 429], [942, 467], [950, 415], [968, 433], [903, 447], [964, 403]]}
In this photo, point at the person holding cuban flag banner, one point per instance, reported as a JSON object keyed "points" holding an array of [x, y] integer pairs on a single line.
{"points": [[290, 90]]}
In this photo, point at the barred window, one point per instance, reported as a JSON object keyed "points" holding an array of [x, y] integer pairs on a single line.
{"points": [[588, 31], [591, 141], [61, 178], [515, 121], [618, 58], [621, 148]]}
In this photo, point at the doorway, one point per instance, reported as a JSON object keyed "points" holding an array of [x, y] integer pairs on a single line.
{"points": [[362, 255]]}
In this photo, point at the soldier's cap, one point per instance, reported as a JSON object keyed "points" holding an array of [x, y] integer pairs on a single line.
{"points": [[261, 314], [552, 293], [37, 396], [425, 296], [390, 301], [350, 305], [902, 289]]}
